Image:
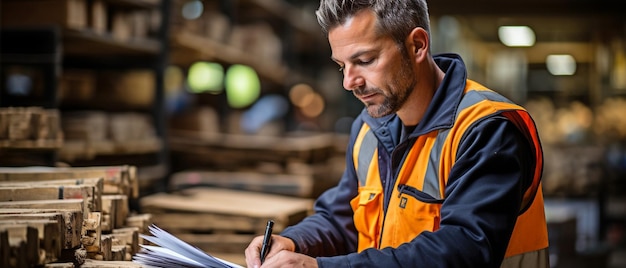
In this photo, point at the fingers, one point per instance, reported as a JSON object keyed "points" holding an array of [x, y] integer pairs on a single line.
{"points": [[286, 258], [253, 253]]}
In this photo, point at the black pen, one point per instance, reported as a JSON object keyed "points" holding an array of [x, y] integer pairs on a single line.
{"points": [[267, 240]]}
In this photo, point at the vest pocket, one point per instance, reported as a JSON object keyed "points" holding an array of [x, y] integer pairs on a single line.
{"points": [[412, 212], [367, 207]]}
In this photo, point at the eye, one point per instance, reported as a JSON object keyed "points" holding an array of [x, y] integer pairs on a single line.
{"points": [[364, 62], [341, 69]]}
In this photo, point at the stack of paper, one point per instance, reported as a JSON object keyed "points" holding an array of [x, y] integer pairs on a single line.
{"points": [[173, 252]]}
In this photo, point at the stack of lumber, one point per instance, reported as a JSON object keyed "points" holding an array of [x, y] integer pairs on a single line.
{"points": [[221, 221], [30, 128], [234, 150], [305, 182], [89, 134], [302, 165], [69, 217]]}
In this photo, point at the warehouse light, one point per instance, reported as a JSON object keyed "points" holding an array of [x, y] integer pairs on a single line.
{"points": [[299, 94], [516, 36], [314, 106], [192, 9], [561, 64], [303, 96], [243, 86]]}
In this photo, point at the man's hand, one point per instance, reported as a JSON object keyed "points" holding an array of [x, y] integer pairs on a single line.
{"points": [[290, 259], [281, 254]]}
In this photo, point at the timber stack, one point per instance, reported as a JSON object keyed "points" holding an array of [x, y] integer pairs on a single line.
{"points": [[69, 217], [223, 221], [26, 127], [293, 164]]}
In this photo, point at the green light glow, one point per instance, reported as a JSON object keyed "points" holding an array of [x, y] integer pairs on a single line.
{"points": [[242, 86], [206, 77]]}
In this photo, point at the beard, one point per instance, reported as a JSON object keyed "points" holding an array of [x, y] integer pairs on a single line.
{"points": [[399, 87]]}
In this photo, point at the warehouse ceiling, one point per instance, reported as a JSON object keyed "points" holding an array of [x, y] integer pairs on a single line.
{"points": [[552, 20]]}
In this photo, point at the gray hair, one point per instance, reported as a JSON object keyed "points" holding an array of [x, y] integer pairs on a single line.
{"points": [[396, 18]]}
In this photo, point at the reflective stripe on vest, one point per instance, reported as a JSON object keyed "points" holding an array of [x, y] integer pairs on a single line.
{"points": [[441, 148]]}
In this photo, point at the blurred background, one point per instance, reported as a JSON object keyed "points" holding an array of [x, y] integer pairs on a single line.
{"points": [[242, 95]]}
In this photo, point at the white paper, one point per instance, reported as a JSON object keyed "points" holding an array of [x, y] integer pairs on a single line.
{"points": [[173, 252]]}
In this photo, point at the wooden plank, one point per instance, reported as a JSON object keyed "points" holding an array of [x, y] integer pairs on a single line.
{"points": [[223, 209], [140, 221], [87, 193], [286, 184], [106, 244], [71, 222], [92, 238], [117, 179], [94, 186], [116, 208], [118, 253], [5, 248], [59, 265], [307, 148], [90, 263], [129, 237], [24, 244], [81, 149], [59, 204], [49, 232]]}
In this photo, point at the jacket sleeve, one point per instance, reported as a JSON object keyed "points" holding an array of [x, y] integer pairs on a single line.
{"points": [[330, 230], [483, 197]]}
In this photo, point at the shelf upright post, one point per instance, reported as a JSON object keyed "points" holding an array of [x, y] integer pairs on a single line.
{"points": [[159, 107]]}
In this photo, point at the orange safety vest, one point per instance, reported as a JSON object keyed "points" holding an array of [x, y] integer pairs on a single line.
{"points": [[426, 168]]}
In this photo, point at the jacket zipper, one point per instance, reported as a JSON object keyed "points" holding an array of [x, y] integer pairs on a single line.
{"points": [[390, 182]]}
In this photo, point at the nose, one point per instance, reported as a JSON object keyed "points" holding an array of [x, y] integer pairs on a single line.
{"points": [[352, 79]]}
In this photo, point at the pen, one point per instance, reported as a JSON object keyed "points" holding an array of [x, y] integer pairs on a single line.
{"points": [[267, 240]]}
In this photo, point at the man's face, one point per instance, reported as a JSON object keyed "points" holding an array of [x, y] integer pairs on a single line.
{"points": [[375, 69]]}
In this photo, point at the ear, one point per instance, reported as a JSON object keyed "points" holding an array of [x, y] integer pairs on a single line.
{"points": [[418, 44]]}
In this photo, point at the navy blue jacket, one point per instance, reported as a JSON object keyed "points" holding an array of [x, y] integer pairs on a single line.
{"points": [[482, 198]]}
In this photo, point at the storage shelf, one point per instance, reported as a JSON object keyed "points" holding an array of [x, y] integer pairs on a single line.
{"points": [[135, 3], [31, 144], [89, 43], [188, 48], [84, 150]]}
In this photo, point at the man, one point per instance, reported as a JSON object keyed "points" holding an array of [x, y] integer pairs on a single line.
{"points": [[441, 171]]}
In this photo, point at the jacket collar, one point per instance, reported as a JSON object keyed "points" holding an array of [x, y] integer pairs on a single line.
{"points": [[441, 111]]}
